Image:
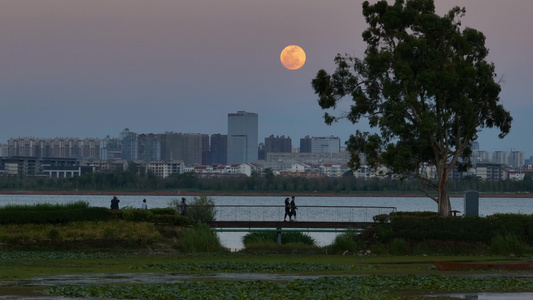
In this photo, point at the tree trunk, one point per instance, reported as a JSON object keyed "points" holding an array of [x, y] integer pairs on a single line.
{"points": [[444, 199], [444, 202]]}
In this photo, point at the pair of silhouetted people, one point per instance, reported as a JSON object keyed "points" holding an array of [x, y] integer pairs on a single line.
{"points": [[290, 209]]}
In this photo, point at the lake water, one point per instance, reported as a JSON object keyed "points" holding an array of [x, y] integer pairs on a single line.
{"points": [[232, 240]]}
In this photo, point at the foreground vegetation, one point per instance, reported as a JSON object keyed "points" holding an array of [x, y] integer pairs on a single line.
{"points": [[360, 287], [391, 260], [317, 276]]}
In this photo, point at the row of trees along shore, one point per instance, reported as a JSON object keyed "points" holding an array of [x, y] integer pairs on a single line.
{"points": [[132, 182]]}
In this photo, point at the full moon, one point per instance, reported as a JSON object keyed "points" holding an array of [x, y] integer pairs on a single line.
{"points": [[292, 57]]}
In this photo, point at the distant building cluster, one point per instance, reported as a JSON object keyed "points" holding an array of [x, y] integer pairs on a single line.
{"points": [[236, 153], [163, 154]]}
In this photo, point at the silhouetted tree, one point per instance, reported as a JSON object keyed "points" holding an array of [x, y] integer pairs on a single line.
{"points": [[424, 85]]}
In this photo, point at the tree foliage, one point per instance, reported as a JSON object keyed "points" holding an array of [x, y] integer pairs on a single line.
{"points": [[424, 86]]}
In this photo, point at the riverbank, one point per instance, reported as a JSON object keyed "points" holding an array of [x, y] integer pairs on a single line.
{"points": [[255, 194]]}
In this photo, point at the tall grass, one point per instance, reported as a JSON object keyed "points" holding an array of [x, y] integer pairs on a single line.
{"points": [[199, 238], [508, 244], [45, 206]]}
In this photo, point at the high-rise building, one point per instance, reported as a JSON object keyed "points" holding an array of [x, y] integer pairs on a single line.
{"points": [[129, 144], [149, 147], [278, 144], [110, 148], [330, 144], [66, 147], [218, 152], [91, 148], [188, 147], [305, 144], [500, 157], [57, 147], [517, 159], [242, 137]]}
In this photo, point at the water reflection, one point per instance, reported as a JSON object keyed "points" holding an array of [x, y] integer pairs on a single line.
{"points": [[487, 296]]}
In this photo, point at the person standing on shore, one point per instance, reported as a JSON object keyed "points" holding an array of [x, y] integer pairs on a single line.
{"points": [[287, 210], [183, 207], [114, 202], [144, 205], [293, 208]]}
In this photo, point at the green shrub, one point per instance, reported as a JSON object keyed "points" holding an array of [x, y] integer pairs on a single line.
{"points": [[347, 241], [163, 211], [506, 245], [398, 247], [202, 209], [199, 238], [256, 237], [137, 215], [51, 213], [272, 236], [165, 219], [383, 218]]}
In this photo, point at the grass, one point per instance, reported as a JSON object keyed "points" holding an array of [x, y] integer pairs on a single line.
{"points": [[41, 263], [19, 265], [83, 234]]}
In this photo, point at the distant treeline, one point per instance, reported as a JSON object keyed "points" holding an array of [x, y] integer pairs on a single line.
{"points": [[268, 183]]}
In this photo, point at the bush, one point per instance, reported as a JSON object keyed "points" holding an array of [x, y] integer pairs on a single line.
{"points": [[53, 214], [199, 238], [202, 209], [506, 245], [347, 241], [137, 215], [417, 232], [272, 237], [398, 247], [163, 211]]}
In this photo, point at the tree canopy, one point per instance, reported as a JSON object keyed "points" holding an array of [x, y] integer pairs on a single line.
{"points": [[425, 88]]}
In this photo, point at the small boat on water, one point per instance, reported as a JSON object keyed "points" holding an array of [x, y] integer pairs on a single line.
{"points": [[461, 266]]}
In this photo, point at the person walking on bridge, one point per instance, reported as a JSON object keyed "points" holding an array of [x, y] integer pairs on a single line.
{"points": [[287, 210], [293, 208]]}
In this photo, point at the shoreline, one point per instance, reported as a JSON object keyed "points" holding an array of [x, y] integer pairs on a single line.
{"points": [[300, 194]]}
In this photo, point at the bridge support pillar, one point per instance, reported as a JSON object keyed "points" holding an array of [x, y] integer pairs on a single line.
{"points": [[278, 231]]}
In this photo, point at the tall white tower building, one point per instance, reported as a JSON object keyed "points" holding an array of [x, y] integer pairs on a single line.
{"points": [[242, 137]]}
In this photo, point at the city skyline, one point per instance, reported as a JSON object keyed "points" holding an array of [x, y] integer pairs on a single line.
{"points": [[90, 68]]}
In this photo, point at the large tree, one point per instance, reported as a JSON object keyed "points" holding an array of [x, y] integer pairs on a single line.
{"points": [[425, 88]]}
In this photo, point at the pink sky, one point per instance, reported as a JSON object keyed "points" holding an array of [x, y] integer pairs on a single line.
{"points": [[93, 68]]}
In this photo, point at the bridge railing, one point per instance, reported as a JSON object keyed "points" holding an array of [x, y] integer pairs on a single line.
{"points": [[320, 213]]}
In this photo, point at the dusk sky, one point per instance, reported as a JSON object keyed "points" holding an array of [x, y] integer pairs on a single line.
{"points": [[72, 68]]}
